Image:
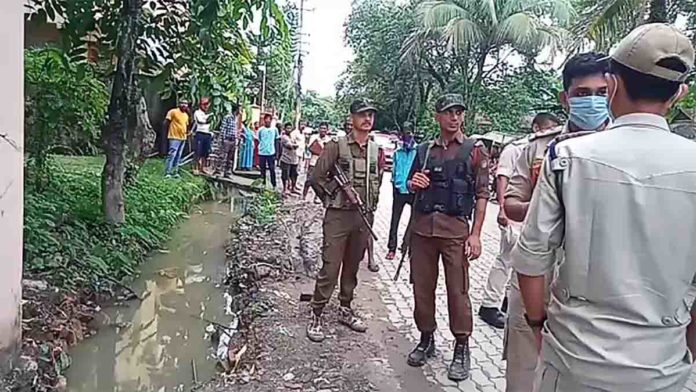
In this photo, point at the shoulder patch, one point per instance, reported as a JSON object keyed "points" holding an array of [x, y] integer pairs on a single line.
{"points": [[571, 135], [552, 132], [521, 141]]}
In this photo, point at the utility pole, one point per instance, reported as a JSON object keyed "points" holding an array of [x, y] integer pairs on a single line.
{"points": [[299, 67], [263, 88]]}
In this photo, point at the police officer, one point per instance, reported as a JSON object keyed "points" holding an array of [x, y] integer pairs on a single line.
{"points": [[619, 205], [584, 98], [499, 274], [345, 234], [450, 179]]}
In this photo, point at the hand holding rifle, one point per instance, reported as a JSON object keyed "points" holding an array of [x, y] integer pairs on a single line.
{"points": [[353, 197]]}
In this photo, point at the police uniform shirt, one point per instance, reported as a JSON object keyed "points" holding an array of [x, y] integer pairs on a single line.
{"points": [[528, 163], [622, 203], [508, 158]]}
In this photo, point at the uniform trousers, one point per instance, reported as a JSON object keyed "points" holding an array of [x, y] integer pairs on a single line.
{"points": [[344, 244], [425, 259], [548, 379], [519, 344], [499, 275]]}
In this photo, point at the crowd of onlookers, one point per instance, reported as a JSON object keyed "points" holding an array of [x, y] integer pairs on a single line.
{"points": [[234, 145]]}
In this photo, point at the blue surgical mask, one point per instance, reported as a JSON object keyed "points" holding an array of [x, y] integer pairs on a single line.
{"points": [[589, 113]]}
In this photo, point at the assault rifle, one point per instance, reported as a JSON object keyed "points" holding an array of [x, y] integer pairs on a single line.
{"points": [[353, 197]]}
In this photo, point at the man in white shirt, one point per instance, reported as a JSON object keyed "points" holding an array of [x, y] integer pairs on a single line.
{"points": [[203, 137], [316, 147]]}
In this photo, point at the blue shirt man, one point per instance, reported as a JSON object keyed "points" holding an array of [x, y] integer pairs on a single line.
{"points": [[267, 139], [267, 149], [403, 159]]}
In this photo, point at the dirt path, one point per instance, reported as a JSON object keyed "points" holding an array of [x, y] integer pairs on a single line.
{"points": [[279, 357]]}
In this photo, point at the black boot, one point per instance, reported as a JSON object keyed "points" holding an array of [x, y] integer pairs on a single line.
{"points": [[492, 317], [459, 369], [424, 350]]}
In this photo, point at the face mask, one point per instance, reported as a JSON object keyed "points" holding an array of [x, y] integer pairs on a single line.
{"points": [[588, 113], [408, 142]]}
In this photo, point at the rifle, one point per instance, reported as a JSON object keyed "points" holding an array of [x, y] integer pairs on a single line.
{"points": [[406, 242], [353, 197]]}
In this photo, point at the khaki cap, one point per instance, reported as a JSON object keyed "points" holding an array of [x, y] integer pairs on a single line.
{"points": [[648, 44]]}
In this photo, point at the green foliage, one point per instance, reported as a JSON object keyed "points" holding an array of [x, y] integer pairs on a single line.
{"points": [[65, 106], [376, 31], [278, 54], [408, 54], [264, 207], [316, 109], [216, 52], [605, 22], [527, 91], [65, 234], [190, 48]]}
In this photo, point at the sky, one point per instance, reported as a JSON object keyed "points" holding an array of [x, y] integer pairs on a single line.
{"points": [[328, 55]]}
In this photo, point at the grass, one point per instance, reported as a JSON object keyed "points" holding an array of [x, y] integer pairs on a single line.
{"points": [[67, 241]]}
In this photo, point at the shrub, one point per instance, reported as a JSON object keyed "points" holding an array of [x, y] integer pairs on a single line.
{"points": [[65, 235], [65, 108]]}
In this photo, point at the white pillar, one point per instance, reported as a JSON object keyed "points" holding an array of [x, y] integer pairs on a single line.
{"points": [[11, 176]]}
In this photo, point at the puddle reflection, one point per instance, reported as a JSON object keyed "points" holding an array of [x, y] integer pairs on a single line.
{"points": [[151, 345]]}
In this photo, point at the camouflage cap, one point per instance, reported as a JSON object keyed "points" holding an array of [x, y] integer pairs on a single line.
{"points": [[448, 101], [647, 45], [362, 105]]}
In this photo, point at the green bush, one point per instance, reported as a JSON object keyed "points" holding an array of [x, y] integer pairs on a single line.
{"points": [[264, 207], [65, 235], [65, 108]]}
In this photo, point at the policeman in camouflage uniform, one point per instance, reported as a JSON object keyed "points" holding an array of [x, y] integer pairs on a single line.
{"points": [[345, 234], [450, 179], [584, 98]]}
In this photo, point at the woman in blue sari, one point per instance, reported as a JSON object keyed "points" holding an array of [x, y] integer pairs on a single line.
{"points": [[246, 150]]}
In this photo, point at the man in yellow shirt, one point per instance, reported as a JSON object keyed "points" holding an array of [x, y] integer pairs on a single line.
{"points": [[176, 124]]}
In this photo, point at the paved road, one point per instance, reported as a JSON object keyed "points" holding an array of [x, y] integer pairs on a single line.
{"points": [[487, 366]]}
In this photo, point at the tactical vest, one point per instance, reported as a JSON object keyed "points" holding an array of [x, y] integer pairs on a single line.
{"points": [[356, 169], [452, 189]]}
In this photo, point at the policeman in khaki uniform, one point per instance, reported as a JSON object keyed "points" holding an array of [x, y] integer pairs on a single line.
{"points": [[584, 98], [450, 176], [499, 275], [619, 205], [345, 234]]}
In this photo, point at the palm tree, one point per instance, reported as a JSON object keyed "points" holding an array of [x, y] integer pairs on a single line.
{"points": [[605, 22], [483, 33]]}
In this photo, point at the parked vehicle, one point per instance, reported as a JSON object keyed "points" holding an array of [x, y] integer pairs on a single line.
{"points": [[389, 144]]}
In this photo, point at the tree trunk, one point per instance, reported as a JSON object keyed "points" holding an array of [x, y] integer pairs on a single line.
{"points": [[122, 115], [140, 143], [658, 11]]}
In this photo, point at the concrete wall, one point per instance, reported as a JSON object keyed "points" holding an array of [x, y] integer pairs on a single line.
{"points": [[11, 177]]}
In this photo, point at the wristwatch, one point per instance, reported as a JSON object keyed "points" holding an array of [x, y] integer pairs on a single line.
{"points": [[534, 324]]}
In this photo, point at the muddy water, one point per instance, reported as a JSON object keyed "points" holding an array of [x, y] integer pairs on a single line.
{"points": [[154, 344]]}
